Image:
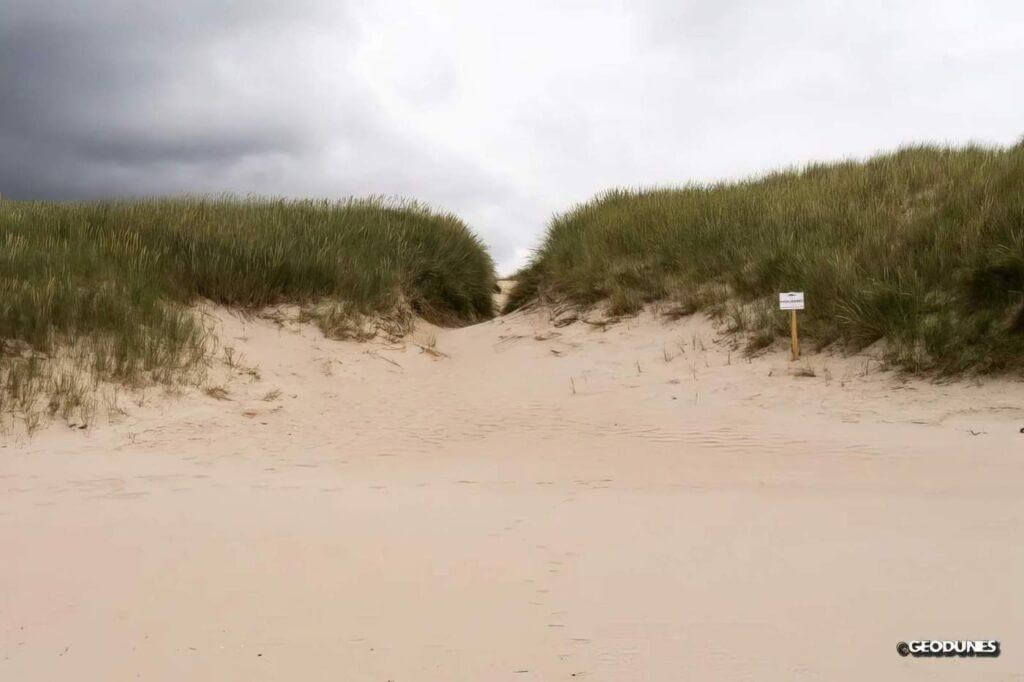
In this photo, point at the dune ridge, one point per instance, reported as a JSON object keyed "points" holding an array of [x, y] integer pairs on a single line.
{"points": [[101, 292], [918, 249]]}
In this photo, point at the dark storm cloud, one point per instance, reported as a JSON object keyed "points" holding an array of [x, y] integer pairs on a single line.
{"points": [[126, 98], [90, 91]]}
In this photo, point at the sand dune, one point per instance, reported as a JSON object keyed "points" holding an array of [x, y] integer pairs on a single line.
{"points": [[518, 501]]}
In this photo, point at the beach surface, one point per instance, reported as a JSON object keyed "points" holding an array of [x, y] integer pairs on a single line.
{"points": [[518, 500]]}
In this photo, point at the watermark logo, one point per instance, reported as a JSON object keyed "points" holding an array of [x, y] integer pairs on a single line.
{"points": [[949, 647]]}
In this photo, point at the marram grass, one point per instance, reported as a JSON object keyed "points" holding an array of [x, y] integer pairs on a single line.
{"points": [[921, 249], [102, 290]]}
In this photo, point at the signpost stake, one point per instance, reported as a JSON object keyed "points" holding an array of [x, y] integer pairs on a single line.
{"points": [[794, 337], [792, 301]]}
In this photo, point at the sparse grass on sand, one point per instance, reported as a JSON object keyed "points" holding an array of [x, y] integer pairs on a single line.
{"points": [[921, 249], [101, 291]]}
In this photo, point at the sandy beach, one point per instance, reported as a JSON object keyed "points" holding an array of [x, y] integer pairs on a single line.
{"points": [[518, 500]]}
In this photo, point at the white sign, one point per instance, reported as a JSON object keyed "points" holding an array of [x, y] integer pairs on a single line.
{"points": [[791, 300]]}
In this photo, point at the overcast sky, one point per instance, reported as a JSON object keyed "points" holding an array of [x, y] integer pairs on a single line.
{"points": [[503, 112]]}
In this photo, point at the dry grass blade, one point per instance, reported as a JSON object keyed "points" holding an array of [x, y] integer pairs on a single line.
{"points": [[217, 392]]}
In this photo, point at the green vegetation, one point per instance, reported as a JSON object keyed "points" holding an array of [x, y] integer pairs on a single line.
{"points": [[102, 291], [922, 248]]}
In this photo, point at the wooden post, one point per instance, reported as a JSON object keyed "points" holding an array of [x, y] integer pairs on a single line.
{"points": [[794, 337]]}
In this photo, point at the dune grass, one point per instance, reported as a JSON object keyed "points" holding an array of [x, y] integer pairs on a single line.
{"points": [[921, 249], [101, 291]]}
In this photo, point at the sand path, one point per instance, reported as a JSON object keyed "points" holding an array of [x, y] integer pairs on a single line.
{"points": [[537, 503]]}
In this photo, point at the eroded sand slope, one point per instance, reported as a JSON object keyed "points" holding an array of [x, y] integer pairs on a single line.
{"points": [[534, 502]]}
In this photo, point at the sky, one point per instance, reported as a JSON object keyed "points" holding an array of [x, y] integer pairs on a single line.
{"points": [[505, 113]]}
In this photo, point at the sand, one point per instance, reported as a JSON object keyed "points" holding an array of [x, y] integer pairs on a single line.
{"points": [[519, 501]]}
